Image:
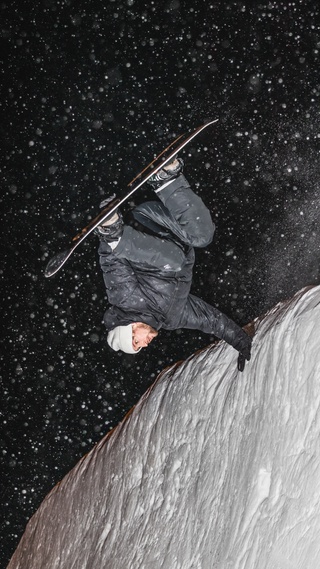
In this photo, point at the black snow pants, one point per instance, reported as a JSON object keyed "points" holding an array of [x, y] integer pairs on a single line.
{"points": [[180, 213]]}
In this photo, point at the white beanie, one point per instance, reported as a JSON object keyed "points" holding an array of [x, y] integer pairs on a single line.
{"points": [[120, 338]]}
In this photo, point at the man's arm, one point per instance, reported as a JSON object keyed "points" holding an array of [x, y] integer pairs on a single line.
{"points": [[199, 315]]}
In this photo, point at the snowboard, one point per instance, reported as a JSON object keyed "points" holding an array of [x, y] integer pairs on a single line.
{"points": [[165, 157]]}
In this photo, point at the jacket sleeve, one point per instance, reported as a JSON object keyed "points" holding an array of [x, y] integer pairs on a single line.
{"points": [[199, 315]]}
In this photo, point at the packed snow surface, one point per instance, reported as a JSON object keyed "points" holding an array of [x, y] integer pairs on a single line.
{"points": [[212, 469]]}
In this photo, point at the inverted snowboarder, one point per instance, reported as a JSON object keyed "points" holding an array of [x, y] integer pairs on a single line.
{"points": [[148, 275]]}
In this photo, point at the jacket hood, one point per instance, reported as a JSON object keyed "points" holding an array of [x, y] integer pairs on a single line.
{"points": [[114, 317]]}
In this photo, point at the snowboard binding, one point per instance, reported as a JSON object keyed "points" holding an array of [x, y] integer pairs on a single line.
{"points": [[112, 228], [167, 173]]}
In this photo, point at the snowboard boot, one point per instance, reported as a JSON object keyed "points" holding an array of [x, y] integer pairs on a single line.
{"points": [[166, 174], [111, 229]]}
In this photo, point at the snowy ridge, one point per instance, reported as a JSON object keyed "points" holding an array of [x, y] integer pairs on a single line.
{"points": [[211, 469]]}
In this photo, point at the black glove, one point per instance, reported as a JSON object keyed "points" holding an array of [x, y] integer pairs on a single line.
{"points": [[228, 330], [244, 347], [241, 362]]}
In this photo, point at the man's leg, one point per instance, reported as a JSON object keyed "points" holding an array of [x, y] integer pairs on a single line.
{"points": [[141, 249], [187, 209], [184, 214]]}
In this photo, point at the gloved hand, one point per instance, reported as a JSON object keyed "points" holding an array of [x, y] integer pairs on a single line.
{"points": [[244, 347], [241, 362], [228, 330]]}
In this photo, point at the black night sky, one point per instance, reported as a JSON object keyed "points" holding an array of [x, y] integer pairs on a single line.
{"points": [[90, 91]]}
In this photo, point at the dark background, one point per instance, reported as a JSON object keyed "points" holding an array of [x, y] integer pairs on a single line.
{"points": [[89, 92]]}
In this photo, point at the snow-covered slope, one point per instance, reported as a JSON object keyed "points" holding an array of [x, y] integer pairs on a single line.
{"points": [[212, 468]]}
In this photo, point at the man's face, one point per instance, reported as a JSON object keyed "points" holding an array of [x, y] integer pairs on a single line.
{"points": [[142, 335]]}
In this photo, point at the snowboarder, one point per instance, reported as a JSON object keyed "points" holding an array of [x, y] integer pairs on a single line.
{"points": [[148, 275]]}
